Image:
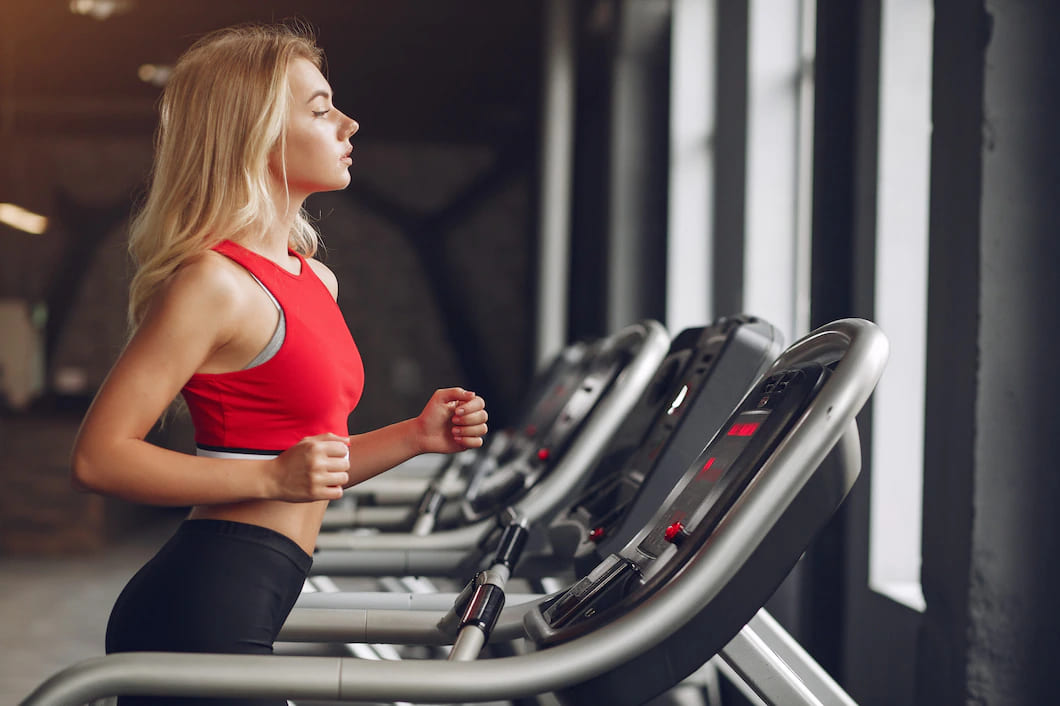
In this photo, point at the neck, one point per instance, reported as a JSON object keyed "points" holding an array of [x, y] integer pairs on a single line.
{"points": [[274, 241]]}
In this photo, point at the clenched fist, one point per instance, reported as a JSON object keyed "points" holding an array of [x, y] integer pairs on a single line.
{"points": [[453, 420], [316, 468]]}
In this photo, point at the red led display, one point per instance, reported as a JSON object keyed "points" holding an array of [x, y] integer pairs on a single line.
{"points": [[744, 429], [709, 473]]}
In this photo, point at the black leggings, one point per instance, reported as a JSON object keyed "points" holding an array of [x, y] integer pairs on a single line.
{"points": [[215, 586]]}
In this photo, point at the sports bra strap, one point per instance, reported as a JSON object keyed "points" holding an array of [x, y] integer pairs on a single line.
{"points": [[278, 335]]}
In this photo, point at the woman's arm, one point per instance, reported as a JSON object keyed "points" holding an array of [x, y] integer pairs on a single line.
{"points": [[453, 420], [190, 321]]}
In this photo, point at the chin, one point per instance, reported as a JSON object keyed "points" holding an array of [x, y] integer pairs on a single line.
{"points": [[333, 186]]}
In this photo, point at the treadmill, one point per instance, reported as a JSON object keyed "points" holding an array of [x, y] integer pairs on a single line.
{"points": [[688, 586], [703, 377]]}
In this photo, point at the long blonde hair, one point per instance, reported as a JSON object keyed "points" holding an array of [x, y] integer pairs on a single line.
{"points": [[222, 112]]}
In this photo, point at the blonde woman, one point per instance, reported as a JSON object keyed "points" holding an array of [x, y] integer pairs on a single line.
{"points": [[230, 309]]}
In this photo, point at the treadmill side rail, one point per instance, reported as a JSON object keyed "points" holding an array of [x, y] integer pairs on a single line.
{"points": [[777, 669]]}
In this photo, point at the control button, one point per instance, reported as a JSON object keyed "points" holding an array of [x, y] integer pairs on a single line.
{"points": [[542, 454], [676, 534], [597, 534]]}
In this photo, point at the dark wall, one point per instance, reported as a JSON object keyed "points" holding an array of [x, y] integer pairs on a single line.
{"points": [[991, 532], [1014, 635]]}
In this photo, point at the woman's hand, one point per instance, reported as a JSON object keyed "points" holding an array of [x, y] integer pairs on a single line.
{"points": [[453, 420], [316, 468]]}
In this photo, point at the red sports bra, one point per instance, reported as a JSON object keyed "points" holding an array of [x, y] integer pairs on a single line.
{"points": [[308, 387]]}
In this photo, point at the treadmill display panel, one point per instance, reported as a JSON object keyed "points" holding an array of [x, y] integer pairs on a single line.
{"points": [[724, 469], [711, 480]]}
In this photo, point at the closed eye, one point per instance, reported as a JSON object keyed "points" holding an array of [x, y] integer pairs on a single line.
{"points": [[321, 113]]}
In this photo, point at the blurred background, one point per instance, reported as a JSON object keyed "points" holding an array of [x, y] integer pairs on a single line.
{"points": [[533, 172]]}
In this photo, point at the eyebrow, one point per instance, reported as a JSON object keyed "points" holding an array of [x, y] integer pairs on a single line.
{"points": [[318, 93]]}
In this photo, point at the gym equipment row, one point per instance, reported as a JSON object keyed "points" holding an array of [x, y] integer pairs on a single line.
{"points": [[702, 378]]}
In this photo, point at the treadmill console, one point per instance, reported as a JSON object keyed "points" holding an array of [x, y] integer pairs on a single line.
{"points": [[695, 507], [495, 485], [725, 472], [707, 373]]}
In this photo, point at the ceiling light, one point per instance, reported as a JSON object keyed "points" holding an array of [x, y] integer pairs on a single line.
{"points": [[18, 217], [100, 9]]}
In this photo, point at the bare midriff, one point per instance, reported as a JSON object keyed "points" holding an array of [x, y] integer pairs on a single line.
{"points": [[298, 521]]}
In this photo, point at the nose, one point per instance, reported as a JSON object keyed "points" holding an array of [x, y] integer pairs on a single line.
{"points": [[351, 127]]}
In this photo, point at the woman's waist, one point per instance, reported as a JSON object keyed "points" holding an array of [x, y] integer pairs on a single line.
{"points": [[300, 522]]}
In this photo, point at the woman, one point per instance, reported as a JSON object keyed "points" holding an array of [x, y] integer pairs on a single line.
{"points": [[229, 309]]}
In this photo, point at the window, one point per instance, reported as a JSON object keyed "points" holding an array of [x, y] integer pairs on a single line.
{"points": [[781, 50], [901, 298]]}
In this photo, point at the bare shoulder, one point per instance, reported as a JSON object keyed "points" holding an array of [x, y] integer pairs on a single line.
{"points": [[326, 275], [208, 286], [208, 275], [197, 310]]}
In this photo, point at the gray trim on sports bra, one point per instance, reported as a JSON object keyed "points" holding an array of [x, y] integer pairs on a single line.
{"points": [[278, 335]]}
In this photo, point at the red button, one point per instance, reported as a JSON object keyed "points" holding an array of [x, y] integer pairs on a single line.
{"points": [[597, 534], [542, 454], [675, 533]]}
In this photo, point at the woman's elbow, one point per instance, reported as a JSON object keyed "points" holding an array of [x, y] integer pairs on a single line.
{"points": [[83, 474]]}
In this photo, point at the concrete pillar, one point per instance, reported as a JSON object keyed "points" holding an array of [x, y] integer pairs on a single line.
{"points": [[991, 629]]}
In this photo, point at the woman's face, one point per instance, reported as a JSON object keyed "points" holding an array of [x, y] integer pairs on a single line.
{"points": [[318, 152]]}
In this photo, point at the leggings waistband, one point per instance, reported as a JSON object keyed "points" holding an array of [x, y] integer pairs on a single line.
{"points": [[252, 533]]}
